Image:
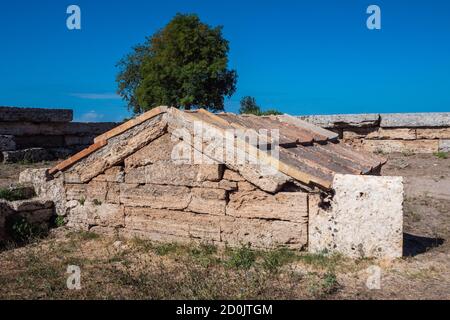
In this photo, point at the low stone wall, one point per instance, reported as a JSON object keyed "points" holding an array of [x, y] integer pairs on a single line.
{"points": [[386, 133], [150, 196], [35, 135]]}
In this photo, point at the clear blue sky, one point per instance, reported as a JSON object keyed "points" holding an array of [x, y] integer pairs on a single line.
{"points": [[301, 57]]}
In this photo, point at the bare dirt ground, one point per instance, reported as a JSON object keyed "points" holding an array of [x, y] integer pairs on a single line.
{"points": [[114, 268]]}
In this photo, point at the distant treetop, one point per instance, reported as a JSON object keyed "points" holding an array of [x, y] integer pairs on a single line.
{"points": [[249, 106]]}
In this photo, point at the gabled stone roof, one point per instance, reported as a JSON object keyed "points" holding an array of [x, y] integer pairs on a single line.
{"points": [[307, 153]]}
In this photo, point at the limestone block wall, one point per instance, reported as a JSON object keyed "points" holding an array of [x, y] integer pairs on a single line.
{"points": [[150, 196], [386, 133], [30, 134]]}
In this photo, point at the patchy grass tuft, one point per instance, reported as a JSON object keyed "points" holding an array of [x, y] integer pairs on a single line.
{"points": [[241, 258], [204, 255], [164, 249], [441, 155], [322, 260], [273, 260], [321, 286]]}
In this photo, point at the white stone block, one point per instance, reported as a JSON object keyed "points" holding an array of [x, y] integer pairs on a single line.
{"points": [[444, 145], [364, 219]]}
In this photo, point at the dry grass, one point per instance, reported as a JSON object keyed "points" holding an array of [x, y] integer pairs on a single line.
{"points": [[138, 269]]}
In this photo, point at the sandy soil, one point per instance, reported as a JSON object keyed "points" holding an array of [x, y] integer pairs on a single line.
{"points": [[117, 268]]}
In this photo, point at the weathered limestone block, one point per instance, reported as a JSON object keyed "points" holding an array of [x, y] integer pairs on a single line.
{"points": [[91, 214], [209, 201], [119, 148], [232, 176], [71, 177], [444, 145], [29, 155], [96, 190], [222, 184], [158, 150], [245, 186], [210, 172], [114, 174], [155, 196], [46, 187], [365, 218], [7, 143], [357, 133], [75, 191], [393, 134], [343, 120], [433, 133], [270, 183], [380, 134], [413, 120], [156, 223], [262, 233], [288, 206], [296, 121], [31, 205], [58, 129], [164, 172], [113, 194], [389, 146], [12, 114]]}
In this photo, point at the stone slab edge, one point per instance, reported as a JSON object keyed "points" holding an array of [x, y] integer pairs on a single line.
{"points": [[13, 114], [387, 120]]}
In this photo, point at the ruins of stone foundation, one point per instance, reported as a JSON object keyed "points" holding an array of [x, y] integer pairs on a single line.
{"points": [[33, 135], [322, 196]]}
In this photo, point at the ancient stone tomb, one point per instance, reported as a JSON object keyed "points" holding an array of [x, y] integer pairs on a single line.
{"points": [[134, 183]]}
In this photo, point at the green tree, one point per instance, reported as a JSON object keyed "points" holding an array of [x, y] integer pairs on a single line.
{"points": [[249, 106], [129, 76], [183, 65]]}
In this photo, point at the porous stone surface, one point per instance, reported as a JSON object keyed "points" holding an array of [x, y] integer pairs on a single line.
{"points": [[343, 120], [444, 145], [208, 201], [413, 146], [168, 225], [288, 206], [364, 219], [428, 119], [264, 233], [46, 187], [87, 214], [7, 143], [433, 133], [155, 196], [391, 134], [13, 114]]}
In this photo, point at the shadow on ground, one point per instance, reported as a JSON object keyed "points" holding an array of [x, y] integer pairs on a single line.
{"points": [[414, 245]]}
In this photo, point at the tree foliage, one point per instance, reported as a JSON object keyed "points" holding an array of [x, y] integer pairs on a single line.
{"points": [[183, 65], [249, 106]]}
